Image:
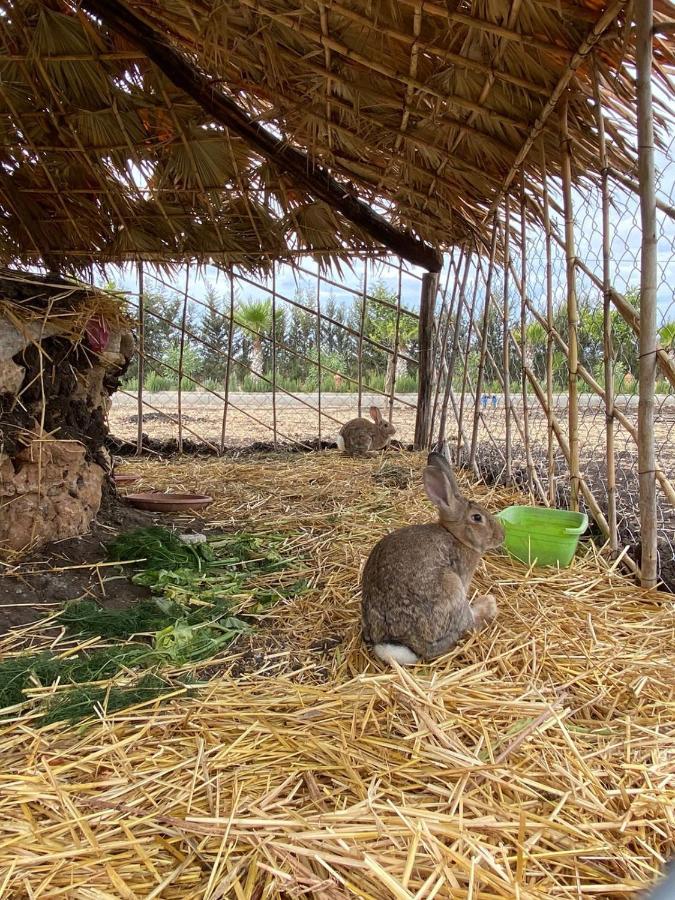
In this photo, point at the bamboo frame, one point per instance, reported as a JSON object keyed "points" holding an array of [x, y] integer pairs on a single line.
{"points": [[397, 328], [523, 335], [318, 349], [448, 392], [444, 320], [572, 312], [291, 350], [549, 328], [181, 351], [644, 14], [426, 362], [228, 363], [141, 356], [607, 324], [536, 481], [362, 325], [620, 419], [565, 447], [274, 353], [483, 345], [465, 368], [621, 304], [505, 338]]}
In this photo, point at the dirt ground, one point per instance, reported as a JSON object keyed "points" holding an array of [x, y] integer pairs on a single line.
{"points": [[38, 585]]}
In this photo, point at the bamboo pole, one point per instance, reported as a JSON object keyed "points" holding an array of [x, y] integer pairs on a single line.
{"points": [[228, 363], [440, 336], [483, 345], [505, 338], [397, 329], [426, 356], [534, 475], [362, 325], [623, 307], [318, 345], [621, 419], [644, 13], [523, 334], [549, 335], [274, 353], [141, 358], [565, 447], [607, 323], [572, 312], [444, 329], [181, 352], [465, 369], [453, 352]]}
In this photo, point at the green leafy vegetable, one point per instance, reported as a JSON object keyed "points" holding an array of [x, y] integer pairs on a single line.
{"points": [[157, 547]]}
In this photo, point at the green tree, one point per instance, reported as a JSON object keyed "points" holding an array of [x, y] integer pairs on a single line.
{"points": [[215, 332], [255, 323], [162, 330]]}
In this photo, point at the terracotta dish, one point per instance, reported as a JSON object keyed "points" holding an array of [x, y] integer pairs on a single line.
{"points": [[126, 478], [158, 501]]}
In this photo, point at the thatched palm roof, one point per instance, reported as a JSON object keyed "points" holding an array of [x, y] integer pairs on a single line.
{"points": [[426, 110]]}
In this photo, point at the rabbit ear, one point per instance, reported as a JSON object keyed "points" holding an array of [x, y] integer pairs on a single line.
{"points": [[441, 493], [438, 461], [375, 414]]}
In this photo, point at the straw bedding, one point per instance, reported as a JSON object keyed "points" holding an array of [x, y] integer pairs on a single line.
{"points": [[536, 760]]}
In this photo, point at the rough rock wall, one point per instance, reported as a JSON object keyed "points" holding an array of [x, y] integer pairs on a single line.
{"points": [[54, 398]]}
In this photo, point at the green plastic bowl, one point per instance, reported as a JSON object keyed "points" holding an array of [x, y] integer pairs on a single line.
{"points": [[540, 536]]}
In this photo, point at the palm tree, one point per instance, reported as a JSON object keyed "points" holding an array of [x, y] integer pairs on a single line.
{"points": [[255, 321], [382, 327], [667, 337]]}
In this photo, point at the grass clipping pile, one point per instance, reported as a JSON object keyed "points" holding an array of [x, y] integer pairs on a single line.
{"points": [[535, 760]]}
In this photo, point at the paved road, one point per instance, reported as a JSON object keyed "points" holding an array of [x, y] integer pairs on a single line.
{"points": [[665, 403]]}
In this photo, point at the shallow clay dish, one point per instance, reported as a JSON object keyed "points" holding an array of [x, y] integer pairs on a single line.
{"points": [[157, 501], [126, 478]]}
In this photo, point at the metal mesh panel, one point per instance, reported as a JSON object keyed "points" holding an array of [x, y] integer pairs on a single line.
{"points": [[288, 360]]}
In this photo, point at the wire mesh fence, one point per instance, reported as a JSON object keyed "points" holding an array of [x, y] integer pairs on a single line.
{"points": [[232, 361], [557, 410], [536, 354]]}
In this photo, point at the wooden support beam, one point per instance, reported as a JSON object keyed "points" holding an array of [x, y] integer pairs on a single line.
{"points": [[426, 355], [644, 14], [572, 310], [315, 179]]}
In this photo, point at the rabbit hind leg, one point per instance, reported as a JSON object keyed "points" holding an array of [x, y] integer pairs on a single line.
{"points": [[484, 610]]}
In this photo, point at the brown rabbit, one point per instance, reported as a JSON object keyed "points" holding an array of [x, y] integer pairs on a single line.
{"points": [[415, 581], [359, 437]]}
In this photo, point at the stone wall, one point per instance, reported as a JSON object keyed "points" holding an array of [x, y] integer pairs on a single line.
{"points": [[55, 393]]}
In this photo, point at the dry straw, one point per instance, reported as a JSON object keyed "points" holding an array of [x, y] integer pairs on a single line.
{"points": [[416, 108], [534, 761]]}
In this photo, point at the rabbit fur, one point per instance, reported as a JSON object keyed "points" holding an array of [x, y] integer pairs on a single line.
{"points": [[359, 437], [415, 582]]}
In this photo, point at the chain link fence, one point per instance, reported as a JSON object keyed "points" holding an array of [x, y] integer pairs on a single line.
{"points": [[229, 361]]}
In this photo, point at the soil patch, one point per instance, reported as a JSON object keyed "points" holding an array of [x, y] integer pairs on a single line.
{"points": [[41, 583]]}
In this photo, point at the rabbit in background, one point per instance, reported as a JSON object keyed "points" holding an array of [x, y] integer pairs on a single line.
{"points": [[359, 437], [416, 580]]}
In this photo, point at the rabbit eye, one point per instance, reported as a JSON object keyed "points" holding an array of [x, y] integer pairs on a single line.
{"points": [[477, 517]]}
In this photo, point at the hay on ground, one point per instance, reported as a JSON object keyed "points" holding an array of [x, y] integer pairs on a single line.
{"points": [[535, 760]]}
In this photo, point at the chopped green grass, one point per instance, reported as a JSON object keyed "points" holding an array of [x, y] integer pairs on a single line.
{"points": [[80, 703]]}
